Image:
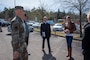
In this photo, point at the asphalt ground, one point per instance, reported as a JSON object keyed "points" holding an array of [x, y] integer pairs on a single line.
{"points": [[58, 47]]}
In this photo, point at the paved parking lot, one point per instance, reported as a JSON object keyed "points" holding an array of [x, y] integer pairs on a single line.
{"points": [[58, 46]]}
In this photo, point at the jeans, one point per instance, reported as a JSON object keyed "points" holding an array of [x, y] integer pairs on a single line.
{"points": [[69, 40]]}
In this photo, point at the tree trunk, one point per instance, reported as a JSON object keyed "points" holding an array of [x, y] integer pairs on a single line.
{"points": [[80, 23]]}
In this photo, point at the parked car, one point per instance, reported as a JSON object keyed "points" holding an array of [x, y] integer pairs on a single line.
{"points": [[31, 22], [31, 28], [51, 22], [4, 22], [36, 25], [58, 27]]}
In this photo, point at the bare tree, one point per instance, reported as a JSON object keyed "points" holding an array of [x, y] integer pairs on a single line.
{"points": [[77, 5], [42, 7]]}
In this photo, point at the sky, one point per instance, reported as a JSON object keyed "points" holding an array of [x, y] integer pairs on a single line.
{"points": [[29, 4]]}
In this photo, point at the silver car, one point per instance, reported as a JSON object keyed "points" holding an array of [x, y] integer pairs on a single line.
{"points": [[58, 27], [31, 28], [36, 25]]}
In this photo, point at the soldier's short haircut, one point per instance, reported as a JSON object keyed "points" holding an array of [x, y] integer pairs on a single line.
{"points": [[19, 7]]}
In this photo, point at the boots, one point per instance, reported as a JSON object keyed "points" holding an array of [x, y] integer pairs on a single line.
{"points": [[69, 53]]}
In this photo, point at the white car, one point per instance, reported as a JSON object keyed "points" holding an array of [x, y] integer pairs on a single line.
{"points": [[36, 25], [58, 27]]}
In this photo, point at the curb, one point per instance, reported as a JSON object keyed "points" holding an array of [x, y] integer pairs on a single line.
{"points": [[78, 39], [55, 33]]}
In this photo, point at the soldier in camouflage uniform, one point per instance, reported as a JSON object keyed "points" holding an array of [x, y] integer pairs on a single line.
{"points": [[18, 35]]}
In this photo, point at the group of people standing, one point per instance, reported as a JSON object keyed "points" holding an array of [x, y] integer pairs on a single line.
{"points": [[20, 35]]}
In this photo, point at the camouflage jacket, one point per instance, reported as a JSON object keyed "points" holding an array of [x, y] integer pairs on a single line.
{"points": [[18, 34]]}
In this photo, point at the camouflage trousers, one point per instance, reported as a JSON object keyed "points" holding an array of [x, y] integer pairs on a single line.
{"points": [[20, 53]]}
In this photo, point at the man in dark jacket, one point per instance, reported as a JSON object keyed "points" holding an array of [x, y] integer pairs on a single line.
{"points": [[45, 31], [86, 39]]}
